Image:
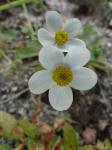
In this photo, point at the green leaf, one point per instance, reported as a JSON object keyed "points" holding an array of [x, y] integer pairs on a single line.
{"points": [[89, 31], [53, 142], [106, 145], [29, 128], [8, 35], [98, 60], [31, 50], [25, 52], [7, 123], [30, 144], [39, 4], [4, 147], [91, 37], [96, 52], [26, 30], [71, 138], [87, 147]]}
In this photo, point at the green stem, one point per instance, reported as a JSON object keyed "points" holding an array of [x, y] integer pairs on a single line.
{"points": [[14, 4], [28, 20]]}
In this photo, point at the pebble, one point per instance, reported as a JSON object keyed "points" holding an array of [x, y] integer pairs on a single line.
{"points": [[4, 97], [110, 23], [14, 89], [12, 110], [109, 45]]}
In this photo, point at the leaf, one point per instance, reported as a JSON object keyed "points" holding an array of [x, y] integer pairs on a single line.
{"points": [[39, 4], [8, 35], [7, 122], [4, 147], [89, 32], [29, 51], [53, 142], [98, 65], [96, 52], [31, 144], [106, 145], [26, 30], [98, 59], [70, 139], [25, 52], [87, 147], [91, 37], [29, 128]]}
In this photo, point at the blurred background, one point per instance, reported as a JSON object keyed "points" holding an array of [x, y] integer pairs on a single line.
{"points": [[28, 122]]}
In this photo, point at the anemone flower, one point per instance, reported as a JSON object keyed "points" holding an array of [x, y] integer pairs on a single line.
{"points": [[61, 33], [61, 74]]}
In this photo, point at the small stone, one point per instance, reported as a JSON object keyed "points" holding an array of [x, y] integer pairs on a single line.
{"points": [[89, 135], [12, 110], [109, 45], [102, 124], [14, 89], [4, 97], [22, 112], [110, 23]]}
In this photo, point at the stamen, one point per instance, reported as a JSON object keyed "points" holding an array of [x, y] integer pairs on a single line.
{"points": [[62, 75], [61, 37]]}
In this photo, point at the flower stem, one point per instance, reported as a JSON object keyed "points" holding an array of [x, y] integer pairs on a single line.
{"points": [[28, 20], [14, 4]]}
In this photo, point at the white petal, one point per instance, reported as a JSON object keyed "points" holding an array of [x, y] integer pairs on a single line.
{"points": [[73, 27], [40, 82], [50, 56], [54, 20], [77, 56], [60, 98], [45, 37], [71, 43], [84, 79], [75, 42]]}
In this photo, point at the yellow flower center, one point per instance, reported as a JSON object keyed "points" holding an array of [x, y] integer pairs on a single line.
{"points": [[61, 37], [62, 75]]}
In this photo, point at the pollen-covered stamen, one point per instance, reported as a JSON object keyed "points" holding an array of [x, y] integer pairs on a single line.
{"points": [[61, 37], [62, 75]]}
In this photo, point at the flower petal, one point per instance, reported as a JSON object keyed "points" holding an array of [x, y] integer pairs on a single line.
{"points": [[84, 79], [60, 98], [73, 27], [50, 56], [44, 37], [77, 56], [40, 82], [54, 21], [75, 42]]}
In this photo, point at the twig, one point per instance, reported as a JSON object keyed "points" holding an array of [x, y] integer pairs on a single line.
{"points": [[7, 58], [15, 96]]}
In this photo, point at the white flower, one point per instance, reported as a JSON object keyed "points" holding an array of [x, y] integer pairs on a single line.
{"points": [[62, 73], [61, 33]]}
